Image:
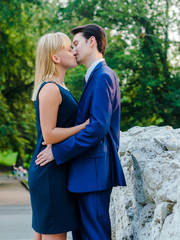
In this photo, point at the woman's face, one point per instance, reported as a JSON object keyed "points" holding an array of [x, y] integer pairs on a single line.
{"points": [[67, 59]]}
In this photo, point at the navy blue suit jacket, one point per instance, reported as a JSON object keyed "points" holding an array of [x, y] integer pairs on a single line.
{"points": [[93, 152]]}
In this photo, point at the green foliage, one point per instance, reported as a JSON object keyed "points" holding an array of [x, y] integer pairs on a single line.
{"points": [[137, 50], [21, 25], [7, 158], [138, 46]]}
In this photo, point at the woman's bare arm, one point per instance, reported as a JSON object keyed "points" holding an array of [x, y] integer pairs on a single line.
{"points": [[49, 100]]}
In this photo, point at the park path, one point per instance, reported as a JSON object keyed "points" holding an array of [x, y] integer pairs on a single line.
{"points": [[15, 210]]}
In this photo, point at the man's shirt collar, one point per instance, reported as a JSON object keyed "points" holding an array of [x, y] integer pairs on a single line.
{"points": [[91, 68]]}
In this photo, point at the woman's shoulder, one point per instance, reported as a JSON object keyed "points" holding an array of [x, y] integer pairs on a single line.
{"points": [[49, 90], [49, 87]]}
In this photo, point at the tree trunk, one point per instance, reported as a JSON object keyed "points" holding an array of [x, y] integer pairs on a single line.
{"points": [[19, 160]]}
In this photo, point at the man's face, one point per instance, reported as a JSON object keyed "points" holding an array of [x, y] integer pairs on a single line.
{"points": [[81, 48]]}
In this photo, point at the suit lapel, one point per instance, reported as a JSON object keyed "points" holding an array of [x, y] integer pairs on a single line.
{"points": [[99, 65]]}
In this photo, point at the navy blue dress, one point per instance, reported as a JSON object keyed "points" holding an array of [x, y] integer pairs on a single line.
{"points": [[54, 208]]}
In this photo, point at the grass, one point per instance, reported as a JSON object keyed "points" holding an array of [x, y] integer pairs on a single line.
{"points": [[7, 158]]}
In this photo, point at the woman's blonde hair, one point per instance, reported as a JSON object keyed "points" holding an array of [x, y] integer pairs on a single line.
{"points": [[45, 67]]}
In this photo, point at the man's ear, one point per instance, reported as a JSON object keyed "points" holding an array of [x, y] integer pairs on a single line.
{"points": [[55, 59], [92, 41]]}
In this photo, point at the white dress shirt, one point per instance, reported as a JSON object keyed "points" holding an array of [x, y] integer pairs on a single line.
{"points": [[91, 68]]}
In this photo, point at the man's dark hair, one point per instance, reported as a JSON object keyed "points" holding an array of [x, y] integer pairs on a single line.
{"points": [[97, 31]]}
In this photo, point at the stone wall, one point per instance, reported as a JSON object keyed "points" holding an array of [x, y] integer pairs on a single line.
{"points": [[149, 207]]}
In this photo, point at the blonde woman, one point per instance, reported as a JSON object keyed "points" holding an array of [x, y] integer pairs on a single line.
{"points": [[53, 208]]}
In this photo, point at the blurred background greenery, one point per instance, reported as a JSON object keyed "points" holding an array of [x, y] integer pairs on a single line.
{"points": [[143, 49]]}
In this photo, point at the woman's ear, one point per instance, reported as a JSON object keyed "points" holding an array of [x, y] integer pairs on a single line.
{"points": [[55, 59]]}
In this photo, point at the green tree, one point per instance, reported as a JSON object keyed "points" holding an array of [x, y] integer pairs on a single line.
{"points": [[22, 23], [138, 45]]}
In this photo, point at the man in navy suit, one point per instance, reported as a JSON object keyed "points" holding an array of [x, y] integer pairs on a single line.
{"points": [[95, 167]]}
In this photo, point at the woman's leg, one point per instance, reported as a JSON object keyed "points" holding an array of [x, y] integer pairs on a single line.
{"points": [[37, 236], [61, 236]]}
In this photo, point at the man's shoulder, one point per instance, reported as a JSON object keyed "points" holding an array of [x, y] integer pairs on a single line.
{"points": [[106, 71], [104, 68]]}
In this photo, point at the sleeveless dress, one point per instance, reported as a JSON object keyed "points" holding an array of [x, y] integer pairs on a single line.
{"points": [[54, 208]]}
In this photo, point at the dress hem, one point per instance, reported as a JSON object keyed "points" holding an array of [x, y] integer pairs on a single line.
{"points": [[53, 233]]}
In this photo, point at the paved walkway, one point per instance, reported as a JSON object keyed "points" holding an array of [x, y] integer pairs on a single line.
{"points": [[15, 210]]}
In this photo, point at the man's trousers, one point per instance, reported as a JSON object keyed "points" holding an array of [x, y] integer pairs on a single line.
{"points": [[95, 221]]}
